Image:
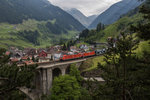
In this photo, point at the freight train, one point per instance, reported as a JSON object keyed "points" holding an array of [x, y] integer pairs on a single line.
{"points": [[82, 55]]}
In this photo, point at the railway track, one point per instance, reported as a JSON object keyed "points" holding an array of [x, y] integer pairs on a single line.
{"points": [[55, 62]]}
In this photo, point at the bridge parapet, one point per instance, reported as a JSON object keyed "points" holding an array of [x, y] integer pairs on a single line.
{"points": [[55, 64]]}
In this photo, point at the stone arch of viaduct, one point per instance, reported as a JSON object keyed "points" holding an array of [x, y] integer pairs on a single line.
{"points": [[47, 72]]}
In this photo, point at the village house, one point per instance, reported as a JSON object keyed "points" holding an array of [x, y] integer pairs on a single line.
{"points": [[44, 60], [15, 52], [28, 62], [74, 49], [58, 47], [25, 58], [7, 53], [84, 47], [56, 55], [49, 55], [32, 52], [14, 60], [42, 54]]}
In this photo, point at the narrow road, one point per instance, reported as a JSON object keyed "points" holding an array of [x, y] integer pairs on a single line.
{"points": [[99, 79]]}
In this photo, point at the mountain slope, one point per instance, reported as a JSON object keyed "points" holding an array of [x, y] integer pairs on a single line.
{"points": [[17, 10], [23, 19], [92, 18], [113, 30], [113, 13], [86, 21]]}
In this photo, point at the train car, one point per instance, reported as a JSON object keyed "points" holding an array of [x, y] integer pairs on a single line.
{"points": [[69, 57], [99, 52], [87, 54]]}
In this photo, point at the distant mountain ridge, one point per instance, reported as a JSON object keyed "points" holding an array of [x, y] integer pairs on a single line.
{"points": [[86, 21], [47, 24], [17, 10], [113, 13]]}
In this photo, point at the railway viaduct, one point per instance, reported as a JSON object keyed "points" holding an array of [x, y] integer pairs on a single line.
{"points": [[45, 75], [47, 72]]}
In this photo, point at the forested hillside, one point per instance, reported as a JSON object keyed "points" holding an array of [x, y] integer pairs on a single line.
{"points": [[101, 33], [21, 20]]}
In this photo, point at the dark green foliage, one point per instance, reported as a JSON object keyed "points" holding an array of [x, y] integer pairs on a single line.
{"points": [[15, 95], [31, 36], [56, 28], [33, 59], [144, 29], [87, 35], [65, 88], [76, 73], [13, 77], [99, 65], [85, 94], [68, 44], [100, 27], [64, 47], [68, 87], [139, 74], [125, 75], [3, 58], [116, 73], [84, 33]]}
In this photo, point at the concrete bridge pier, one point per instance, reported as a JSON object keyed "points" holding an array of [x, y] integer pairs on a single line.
{"points": [[49, 80], [47, 77], [63, 70], [79, 64], [46, 80]]}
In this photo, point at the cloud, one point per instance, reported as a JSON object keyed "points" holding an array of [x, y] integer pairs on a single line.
{"points": [[87, 7]]}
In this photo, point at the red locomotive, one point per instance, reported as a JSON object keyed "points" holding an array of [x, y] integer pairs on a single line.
{"points": [[76, 56]]}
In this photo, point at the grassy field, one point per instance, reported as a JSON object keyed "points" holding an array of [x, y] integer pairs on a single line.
{"points": [[143, 46], [9, 35], [92, 63]]}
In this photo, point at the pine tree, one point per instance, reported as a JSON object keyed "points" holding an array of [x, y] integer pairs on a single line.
{"points": [[64, 47], [76, 73], [143, 30], [13, 77], [84, 33], [115, 73], [99, 27]]}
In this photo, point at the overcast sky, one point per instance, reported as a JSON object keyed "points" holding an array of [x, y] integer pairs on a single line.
{"points": [[87, 7]]}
